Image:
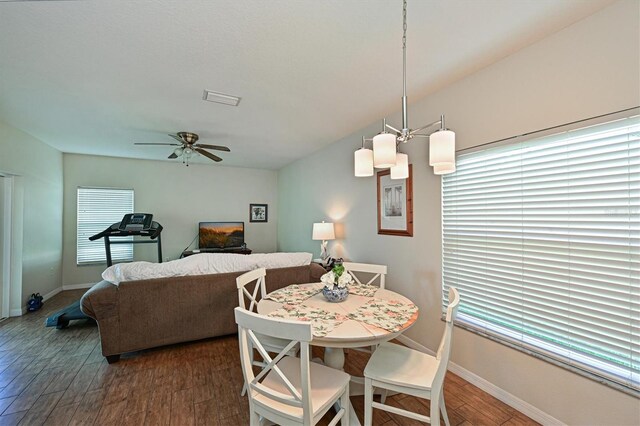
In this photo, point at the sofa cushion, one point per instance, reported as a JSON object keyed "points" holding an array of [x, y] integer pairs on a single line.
{"points": [[203, 264]]}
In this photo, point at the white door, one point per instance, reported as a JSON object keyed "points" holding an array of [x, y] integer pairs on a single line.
{"points": [[3, 314]]}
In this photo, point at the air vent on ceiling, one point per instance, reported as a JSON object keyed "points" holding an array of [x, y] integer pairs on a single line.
{"points": [[220, 98]]}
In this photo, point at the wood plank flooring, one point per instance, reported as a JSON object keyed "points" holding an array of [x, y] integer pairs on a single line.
{"points": [[59, 377]]}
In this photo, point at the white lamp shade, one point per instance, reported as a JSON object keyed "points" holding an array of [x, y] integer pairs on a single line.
{"points": [[363, 162], [323, 231], [401, 169], [444, 168], [442, 147], [384, 150]]}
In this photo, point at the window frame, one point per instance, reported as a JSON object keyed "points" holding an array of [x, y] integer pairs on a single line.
{"points": [[530, 345], [116, 257]]}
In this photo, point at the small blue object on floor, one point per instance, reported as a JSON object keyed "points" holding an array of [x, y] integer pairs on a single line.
{"points": [[61, 318]]}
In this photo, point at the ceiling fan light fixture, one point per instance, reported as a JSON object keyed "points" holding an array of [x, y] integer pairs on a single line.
{"points": [[220, 98]]}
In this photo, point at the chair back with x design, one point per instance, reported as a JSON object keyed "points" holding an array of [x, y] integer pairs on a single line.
{"points": [[250, 324], [378, 271], [243, 282]]}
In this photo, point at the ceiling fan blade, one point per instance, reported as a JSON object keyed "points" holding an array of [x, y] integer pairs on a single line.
{"points": [[208, 154], [178, 138], [172, 156], [216, 147], [144, 143]]}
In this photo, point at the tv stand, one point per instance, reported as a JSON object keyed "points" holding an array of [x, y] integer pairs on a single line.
{"points": [[238, 250]]}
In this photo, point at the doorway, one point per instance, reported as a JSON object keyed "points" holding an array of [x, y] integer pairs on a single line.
{"points": [[5, 244]]}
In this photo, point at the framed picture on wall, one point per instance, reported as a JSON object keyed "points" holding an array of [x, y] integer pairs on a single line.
{"points": [[395, 204], [258, 212]]}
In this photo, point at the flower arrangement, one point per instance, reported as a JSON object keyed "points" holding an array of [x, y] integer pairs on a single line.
{"points": [[335, 284], [336, 277]]}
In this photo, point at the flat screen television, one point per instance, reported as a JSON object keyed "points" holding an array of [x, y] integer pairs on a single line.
{"points": [[218, 235]]}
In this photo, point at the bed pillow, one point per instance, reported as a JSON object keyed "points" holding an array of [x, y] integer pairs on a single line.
{"points": [[203, 264]]}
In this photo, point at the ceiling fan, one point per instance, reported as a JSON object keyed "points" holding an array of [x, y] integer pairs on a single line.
{"points": [[188, 146]]}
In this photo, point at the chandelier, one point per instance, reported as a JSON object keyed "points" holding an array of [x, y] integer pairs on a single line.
{"points": [[386, 145]]}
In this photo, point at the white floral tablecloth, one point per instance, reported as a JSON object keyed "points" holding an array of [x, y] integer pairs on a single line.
{"points": [[372, 307], [322, 322], [392, 315], [294, 294], [363, 289]]}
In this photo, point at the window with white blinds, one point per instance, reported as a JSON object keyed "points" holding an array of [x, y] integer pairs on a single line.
{"points": [[99, 208], [542, 238]]}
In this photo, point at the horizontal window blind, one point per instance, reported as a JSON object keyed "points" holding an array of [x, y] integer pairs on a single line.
{"points": [[542, 238], [99, 208]]}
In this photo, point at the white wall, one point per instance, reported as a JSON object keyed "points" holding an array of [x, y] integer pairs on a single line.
{"points": [[587, 69], [38, 168], [178, 197]]}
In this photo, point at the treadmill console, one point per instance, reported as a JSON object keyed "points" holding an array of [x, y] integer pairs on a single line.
{"points": [[136, 222]]}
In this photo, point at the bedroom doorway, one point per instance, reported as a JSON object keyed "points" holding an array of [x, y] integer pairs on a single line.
{"points": [[4, 281]]}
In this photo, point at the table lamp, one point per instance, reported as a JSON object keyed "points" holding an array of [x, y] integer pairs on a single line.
{"points": [[323, 232]]}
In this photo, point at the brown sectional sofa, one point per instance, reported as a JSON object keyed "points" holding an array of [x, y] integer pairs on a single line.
{"points": [[145, 314]]}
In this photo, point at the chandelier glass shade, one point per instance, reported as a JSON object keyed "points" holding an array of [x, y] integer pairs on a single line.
{"points": [[384, 151], [444, 168], [363, 162], [442, 147], [401, 169]]}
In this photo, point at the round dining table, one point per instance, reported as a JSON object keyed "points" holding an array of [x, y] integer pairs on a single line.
{"points": [[350, 331]]}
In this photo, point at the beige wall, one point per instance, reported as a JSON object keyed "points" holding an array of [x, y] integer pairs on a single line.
{"points": [[178, 197], [587, 69], [38, 168]]}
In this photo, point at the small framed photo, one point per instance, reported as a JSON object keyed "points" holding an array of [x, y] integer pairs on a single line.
{"points": [[258, 212], [395, 204]]}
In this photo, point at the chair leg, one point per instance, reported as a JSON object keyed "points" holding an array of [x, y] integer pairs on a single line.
{"points": [[244, 386], [368, 401], [346, 404], [383, 395], [435, 410], [443, 409], [254, 419]]}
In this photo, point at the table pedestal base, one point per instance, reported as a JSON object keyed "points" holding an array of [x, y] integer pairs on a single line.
{"points": [[334, 358]]}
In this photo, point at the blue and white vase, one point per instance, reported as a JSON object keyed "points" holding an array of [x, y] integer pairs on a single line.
{"points": [[335, 294]]}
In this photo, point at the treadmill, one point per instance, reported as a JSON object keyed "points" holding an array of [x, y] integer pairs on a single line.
{"points": [[132, 224]]}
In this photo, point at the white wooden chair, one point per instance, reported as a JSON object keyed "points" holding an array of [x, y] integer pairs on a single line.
{"points": [[378, 272], [271, 344], [400, 369], [374, 273], [288, 390]]}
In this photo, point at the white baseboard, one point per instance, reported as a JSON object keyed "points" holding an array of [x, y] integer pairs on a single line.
{"points": [[51, 294], [23, 310], [17, 312], [513, 401], [77, 286]]}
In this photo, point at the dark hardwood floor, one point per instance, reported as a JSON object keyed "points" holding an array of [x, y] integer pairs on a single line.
{"points": [[59, 377]]}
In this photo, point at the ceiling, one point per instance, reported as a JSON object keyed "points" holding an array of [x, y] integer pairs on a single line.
{"points": [[92, 77]]}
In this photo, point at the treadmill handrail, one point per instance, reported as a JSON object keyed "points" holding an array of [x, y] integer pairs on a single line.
{"points": [[114, 231]]}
